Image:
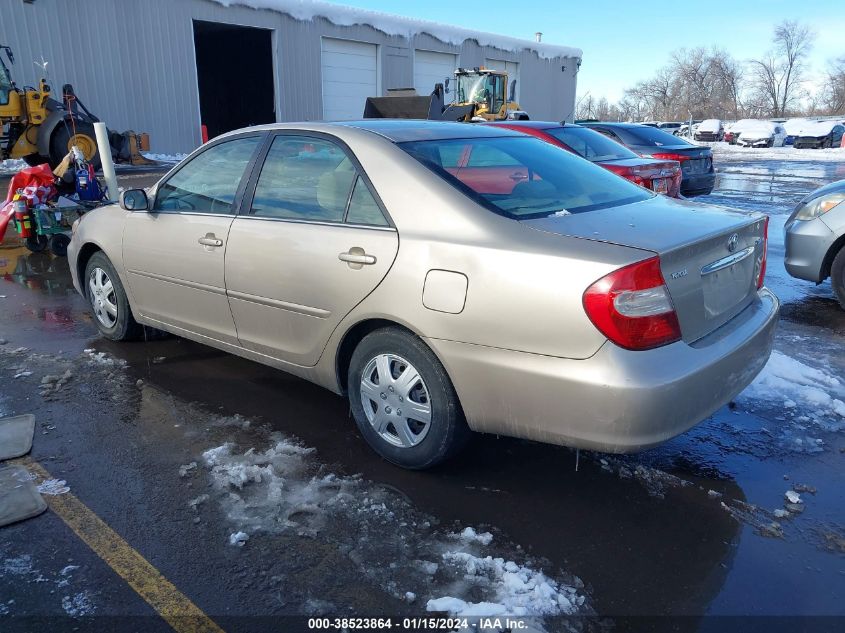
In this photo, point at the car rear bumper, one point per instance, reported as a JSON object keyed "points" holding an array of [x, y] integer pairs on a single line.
{"points": [[808, 143], [617, 400], [806, 244], [698, 184]]}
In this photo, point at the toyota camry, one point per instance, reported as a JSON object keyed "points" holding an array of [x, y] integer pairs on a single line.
{"points": [[446, 278]]}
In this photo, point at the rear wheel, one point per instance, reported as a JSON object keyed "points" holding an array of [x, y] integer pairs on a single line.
{"points": [[108, 300], [837, 276], [403, 400], [79, 133]]}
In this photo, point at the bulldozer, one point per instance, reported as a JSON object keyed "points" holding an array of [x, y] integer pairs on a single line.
{"points": [[479, 96], [38, 129]]}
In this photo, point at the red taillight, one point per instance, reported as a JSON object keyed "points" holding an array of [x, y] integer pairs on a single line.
{"points": [[631, 307], [671, 156], [761, 276], [629, 173]]}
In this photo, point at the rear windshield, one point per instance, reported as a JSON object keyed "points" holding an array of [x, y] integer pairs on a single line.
{"points": [[524, 178], [650, 136], [590, 144]]}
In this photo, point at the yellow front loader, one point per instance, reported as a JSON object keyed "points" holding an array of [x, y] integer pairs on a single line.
{"points": [[480, 95], [39, 129]]}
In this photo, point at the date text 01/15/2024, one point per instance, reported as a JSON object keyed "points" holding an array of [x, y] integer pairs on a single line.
{"points": [[416, 624]]}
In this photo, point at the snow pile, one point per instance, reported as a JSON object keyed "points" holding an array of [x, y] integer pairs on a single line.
{"points": [[284, 489], [12, 165], [165, 158], [306, 10], [469, 535], [278, 481], [516, 590], [79, 605], [800, 390]]}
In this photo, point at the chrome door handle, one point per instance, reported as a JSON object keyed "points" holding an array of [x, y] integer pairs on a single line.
{"points": [[210, 240], [518, 176], [356, 257]]}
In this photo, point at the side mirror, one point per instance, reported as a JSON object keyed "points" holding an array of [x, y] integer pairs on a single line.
{"points": [[134, 200], [512, 96]]}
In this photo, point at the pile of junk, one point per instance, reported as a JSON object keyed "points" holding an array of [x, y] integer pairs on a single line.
{"points": [[43, 204]]}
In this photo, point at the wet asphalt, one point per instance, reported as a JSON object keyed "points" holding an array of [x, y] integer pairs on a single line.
{"points": [[683, 530]]}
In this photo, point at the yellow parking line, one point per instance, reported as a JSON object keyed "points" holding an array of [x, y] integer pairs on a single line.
{"points": [[170, 603]]}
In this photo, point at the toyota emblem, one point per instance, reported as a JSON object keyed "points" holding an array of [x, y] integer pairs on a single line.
{"points": [[732, 242]]}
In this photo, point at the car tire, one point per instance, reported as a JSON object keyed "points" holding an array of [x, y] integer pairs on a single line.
{"points": [[837, 276], [108, 300], [418, 381], [37, 243], [58, 244]]}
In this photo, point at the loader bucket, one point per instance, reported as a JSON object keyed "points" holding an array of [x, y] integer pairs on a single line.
{"points": [[398, 108]]}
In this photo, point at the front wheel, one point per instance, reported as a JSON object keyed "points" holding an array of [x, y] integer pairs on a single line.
{"points": [[108, 300], [837, 276], [403, 400]]}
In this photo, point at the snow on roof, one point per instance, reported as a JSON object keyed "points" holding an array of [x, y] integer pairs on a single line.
{"points": [[752, 129], [817, 128], [305, 10], [793, 127], [710, 125]]}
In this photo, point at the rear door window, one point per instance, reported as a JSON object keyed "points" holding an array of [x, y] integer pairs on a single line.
{"points": [[313, 179], [304, 178]]}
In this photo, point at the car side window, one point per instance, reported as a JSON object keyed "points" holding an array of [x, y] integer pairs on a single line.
{"points": [[483, 156], [304, 178], [363, 208], [208, 182]]}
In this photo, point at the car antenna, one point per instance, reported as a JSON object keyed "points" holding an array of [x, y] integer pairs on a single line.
{"points": [[577, 458]]}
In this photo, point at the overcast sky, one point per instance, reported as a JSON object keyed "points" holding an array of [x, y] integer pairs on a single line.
{"points": [[624, 42]]}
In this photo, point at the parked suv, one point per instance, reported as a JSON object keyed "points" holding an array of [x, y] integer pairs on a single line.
{"points": [[698, 176]]}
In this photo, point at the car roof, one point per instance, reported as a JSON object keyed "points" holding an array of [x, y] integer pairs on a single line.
{"points": [[405, 130], [534, 125], [614, 124]]}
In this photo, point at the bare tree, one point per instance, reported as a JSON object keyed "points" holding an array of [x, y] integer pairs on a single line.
{"points": [[779, 75], [831, 98]]}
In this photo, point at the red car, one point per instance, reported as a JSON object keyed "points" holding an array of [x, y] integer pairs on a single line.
{"points": [[662, 176]]}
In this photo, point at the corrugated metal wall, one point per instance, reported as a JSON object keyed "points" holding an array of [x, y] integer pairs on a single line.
{"points": [[132, 61]]}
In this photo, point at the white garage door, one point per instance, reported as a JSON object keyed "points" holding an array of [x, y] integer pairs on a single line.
{"points": [[350, 75], [511, 68], [431, 68]]}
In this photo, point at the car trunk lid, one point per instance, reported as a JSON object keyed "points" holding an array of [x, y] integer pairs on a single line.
{"points": [[710, 256]]}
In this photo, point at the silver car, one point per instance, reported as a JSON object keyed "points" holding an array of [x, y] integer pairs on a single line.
{"points": [[815, 238], [447, 278]]}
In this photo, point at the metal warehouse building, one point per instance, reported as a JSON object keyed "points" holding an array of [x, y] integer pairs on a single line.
{"points": [[168, 66]]}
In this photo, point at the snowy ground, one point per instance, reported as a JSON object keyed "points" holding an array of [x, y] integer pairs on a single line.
{"points": [[787, 153]]}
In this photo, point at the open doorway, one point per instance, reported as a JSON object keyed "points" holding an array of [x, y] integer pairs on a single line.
{"points": [[235, 76]]}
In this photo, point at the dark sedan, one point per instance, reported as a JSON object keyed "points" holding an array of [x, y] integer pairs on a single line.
{"points": [[696, 161], [820, 134], [660, 175]]}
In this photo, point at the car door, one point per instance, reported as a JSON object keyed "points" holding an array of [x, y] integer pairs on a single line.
{"points": [[174, 253], [312, 240]]}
